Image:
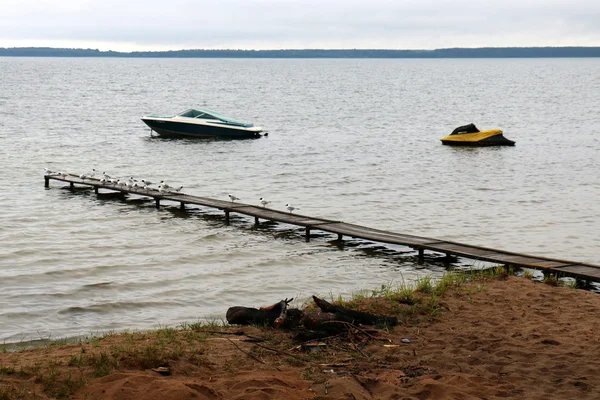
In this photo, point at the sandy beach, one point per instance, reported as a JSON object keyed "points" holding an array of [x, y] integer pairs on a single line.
{"points": [[488, 339]]}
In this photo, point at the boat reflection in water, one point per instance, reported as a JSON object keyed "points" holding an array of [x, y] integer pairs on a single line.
{"points": [[202, 123]]}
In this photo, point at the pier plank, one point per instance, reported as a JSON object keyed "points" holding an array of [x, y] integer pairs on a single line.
{"points": [[581, 271]]}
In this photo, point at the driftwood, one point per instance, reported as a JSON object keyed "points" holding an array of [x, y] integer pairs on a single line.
{"points": [[325, 321], [331, 320], [347, 315], [275, 315]]}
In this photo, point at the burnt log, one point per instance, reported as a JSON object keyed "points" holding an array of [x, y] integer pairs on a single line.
{"points": [[239, 315], [275, 315], [352, 316], [332, 323]]}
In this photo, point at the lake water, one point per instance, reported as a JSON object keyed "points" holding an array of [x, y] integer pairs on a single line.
{"points": [[353, 140]]}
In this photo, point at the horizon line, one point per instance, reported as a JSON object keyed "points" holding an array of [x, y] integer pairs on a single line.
{"points": [[300, 49]]}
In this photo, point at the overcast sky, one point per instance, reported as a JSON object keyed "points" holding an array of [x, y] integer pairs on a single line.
{"points": [[130, 25]]}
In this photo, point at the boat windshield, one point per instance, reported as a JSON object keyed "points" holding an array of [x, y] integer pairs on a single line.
{"points": [[206, 114]]}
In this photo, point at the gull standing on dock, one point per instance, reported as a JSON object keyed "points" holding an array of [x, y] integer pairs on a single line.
{"points": [[145, 184], [130, 182], [264, 202], [164, 185], [233, 198], [291, 208]]}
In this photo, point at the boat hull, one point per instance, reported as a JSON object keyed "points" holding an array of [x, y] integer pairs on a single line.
{"points": [[175, 129], [493, 137]]}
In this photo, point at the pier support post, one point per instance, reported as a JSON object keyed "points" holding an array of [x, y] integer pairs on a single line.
{"points": [[157, 202], [340, 237], [581, 283], [46, 182], [182, 205], [421, 256], [226, 217], [256, 221], [307, 234], [447, 259], [96, 189], [72, 186]]}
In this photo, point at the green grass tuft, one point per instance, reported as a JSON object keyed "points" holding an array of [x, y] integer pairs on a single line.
{"points": [[551, 279]]}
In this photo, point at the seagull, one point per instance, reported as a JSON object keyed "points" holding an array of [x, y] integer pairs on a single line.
{"points": [[91, 175], [121, 183], [48, 172], [291, 208], [233, 198], [106, 176], [164, 185], [264, 202], [145, 184], [176, 190], [83, 176], [131, 182]]}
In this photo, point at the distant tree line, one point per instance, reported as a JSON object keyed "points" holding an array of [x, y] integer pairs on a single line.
{"points": [[484, 52]]}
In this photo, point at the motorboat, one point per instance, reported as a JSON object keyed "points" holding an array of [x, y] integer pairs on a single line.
{"points": [[469, 135], [202, 123]]}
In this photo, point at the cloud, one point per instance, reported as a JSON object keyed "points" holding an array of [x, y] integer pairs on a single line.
{"points": [[262, 24]]}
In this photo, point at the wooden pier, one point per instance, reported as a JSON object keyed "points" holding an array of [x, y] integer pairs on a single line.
{"points": [[560, 268]]}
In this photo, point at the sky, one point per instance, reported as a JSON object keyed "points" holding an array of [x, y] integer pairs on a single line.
{"points": [[146, 25]]}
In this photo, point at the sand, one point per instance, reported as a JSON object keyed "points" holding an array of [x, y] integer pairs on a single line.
{"points": [[499, 338]]}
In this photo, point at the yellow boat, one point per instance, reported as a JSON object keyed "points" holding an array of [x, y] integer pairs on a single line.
{"points": [[469, 135]]}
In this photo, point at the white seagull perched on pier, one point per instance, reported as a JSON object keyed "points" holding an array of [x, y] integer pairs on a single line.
{"points": [[145, 184], [264, 202], [163, 185], [233, 198], [106, 176], [88, 176], [291, 208], [48, 172], [130, 182]]}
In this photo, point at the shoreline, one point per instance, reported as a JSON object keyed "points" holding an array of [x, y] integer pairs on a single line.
{"points": [[493, 337]]}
